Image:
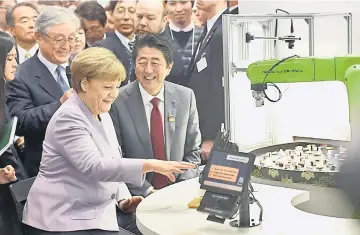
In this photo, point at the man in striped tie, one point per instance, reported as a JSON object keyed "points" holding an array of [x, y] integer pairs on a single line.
{"points": [[42, 83]]}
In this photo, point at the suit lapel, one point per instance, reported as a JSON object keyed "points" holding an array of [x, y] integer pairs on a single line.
{"points": [[170, 106], [46, 79], [195, 58], [136, 109]]}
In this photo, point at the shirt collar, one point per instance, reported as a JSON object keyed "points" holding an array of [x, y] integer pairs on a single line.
{"points": [[124, 40], [213, 20], [146, 97], [51, 67], [233, 7], [188, 28], [31, 51]]}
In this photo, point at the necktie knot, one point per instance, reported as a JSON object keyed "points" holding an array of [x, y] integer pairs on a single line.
{"points": [[27, 55], [59, 70], [61, 80], [155, 102]]}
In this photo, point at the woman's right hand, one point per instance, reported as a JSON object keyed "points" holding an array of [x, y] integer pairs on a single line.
{"points": [[166, 167]]}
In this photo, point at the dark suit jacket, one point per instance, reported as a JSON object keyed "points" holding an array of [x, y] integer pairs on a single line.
{"points": [[177, 72], [33, 96], [10, 156], [182, 135], [113, 43], [207, 84], [9, 221]]}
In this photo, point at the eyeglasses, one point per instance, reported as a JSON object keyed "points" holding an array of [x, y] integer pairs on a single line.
{"points": [[62, 40]]}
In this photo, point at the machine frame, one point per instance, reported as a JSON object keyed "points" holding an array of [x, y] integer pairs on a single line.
{"points": [[268, 23]]}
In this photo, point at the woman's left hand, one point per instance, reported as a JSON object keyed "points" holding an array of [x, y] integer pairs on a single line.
{"points": [[130, 205], [7, 174]]}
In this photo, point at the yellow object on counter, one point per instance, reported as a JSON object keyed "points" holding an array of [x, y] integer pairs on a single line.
{"points": [[195, 203]]}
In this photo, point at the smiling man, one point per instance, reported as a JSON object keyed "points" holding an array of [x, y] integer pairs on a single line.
{"points": [[42, 83], [21, 21], [182, 29], [122, 40], [151, 17], [156, 119]]}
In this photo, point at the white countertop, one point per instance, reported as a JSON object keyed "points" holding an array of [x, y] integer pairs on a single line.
{"points": [[166, 213]]}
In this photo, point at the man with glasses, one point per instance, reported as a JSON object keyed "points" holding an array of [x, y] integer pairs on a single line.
{"points": [[93, 18], [21, 21], [42, 83], [121, 41]]}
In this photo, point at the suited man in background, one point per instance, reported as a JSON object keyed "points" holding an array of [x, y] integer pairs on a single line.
{"points": [[42, 82], [154, 118], [93, 18], [205, 73], [151, 18], [21, 24], [122, 40]]}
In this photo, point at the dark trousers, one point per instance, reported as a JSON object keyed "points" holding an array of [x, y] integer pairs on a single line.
{"points": [[127, 222]]}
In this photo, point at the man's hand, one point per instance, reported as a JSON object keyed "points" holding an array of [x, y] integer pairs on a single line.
{"points": [[66, 95], [20, 142], [7, 175], [130, 205], [206, 148]]}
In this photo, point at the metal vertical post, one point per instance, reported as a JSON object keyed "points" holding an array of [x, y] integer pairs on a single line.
{"points": [[311, 36], [349, 31], [226, 25]]}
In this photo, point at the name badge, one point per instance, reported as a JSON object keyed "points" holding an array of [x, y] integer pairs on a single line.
{"points": [[201, 64], [171, 118]]}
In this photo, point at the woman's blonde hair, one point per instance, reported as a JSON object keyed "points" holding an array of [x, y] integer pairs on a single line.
{"points": [[96, 63]]}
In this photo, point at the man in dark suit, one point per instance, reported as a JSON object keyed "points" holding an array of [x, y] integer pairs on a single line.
{"points": [[154, 118], [205, 74], [93, 19], [41, 83], [151, 18], [21, 21], [121, 41]]}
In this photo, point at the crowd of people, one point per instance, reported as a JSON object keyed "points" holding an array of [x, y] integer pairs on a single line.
{"points": [[113, 104]]}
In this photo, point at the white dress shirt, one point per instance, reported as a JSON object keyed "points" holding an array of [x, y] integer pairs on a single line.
{"points": [[52, 67], [213, 20], [233, 7], [146, 97], [124, 40], [22, 52]]}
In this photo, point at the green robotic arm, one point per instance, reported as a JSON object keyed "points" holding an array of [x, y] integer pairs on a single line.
{"points": [[291, 70]]}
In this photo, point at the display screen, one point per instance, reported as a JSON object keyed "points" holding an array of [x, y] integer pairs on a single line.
{"points": [[229, 172]]}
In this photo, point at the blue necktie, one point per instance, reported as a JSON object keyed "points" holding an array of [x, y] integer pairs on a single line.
{"points": [[61, 80]]}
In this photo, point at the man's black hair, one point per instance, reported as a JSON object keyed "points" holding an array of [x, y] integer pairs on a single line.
{"points": [[153, 41]]}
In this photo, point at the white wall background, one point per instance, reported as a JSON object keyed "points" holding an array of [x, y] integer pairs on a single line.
{"points": [[317, 110]]}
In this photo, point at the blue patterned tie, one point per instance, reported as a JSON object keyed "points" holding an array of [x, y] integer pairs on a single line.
{"points": [[61, 80], [131, 46]]}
